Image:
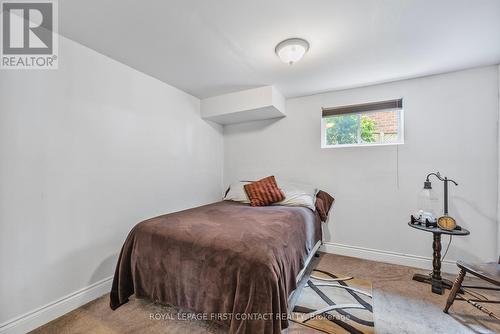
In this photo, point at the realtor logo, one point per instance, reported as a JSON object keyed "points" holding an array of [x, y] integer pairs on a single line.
{"points": [[29, 35]]}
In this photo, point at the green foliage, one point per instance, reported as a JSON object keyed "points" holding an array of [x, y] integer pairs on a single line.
{"points": [[367, 130], [343, 129]]}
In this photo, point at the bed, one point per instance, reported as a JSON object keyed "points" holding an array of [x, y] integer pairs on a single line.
{"points": [[234, 263]]}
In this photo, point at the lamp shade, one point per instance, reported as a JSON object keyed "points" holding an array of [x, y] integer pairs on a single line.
{"points": [[428, 203]]}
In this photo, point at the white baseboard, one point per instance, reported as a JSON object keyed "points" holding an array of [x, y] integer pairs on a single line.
{"points": [[409, 260], [51, 311]]}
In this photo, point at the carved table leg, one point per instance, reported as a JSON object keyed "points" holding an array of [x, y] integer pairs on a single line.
{"points": [[454, 290], [437, 282]]}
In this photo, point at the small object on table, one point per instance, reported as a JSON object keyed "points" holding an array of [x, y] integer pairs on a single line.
{"points": [[423, 221], [447, 223], [437, 282]]}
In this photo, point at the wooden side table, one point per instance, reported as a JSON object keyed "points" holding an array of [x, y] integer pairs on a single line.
{"points": [[437, 282]]}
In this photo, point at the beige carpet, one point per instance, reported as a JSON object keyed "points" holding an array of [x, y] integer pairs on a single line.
{"points": [[400, 306]]}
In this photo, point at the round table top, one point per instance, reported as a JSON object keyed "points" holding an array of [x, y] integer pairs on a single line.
{"points": [[439, 230]]}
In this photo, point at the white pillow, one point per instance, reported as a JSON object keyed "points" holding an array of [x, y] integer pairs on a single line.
{"points": [[297, 194], [237, 193]]}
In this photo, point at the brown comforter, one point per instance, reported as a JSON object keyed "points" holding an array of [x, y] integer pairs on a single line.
{"points": [[234, 263]]}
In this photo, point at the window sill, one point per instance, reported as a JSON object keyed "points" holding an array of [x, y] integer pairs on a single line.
{"points": [[360, 145]]}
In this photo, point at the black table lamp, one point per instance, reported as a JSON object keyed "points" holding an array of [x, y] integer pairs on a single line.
{"points": [[445, 222]]}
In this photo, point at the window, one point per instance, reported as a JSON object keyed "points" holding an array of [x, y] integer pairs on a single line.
{"points": [[377, 123]]}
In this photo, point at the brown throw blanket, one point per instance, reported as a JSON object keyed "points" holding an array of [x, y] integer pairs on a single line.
{"points": [[234, 263]]}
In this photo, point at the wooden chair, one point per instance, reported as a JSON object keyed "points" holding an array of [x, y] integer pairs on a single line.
{"points": [[489, 272]]}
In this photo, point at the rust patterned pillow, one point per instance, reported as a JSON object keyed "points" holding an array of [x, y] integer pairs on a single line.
{"points": [[264, 192]]}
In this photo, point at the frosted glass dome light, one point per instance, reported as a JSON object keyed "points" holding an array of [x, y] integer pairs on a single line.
{"points": [[292, 50]]}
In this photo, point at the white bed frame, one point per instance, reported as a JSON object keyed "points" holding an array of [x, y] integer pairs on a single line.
{"points": [[308, 260], [303, 276]]}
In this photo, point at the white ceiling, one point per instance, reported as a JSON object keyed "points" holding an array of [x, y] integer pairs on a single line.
{"points": [[210, 47]]}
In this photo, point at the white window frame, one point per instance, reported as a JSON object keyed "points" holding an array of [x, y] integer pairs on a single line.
{"points": [[401, 137]]}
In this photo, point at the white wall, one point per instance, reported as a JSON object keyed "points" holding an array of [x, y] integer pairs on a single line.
{"points": [[498, 193], [86, 152], [451, 127]]}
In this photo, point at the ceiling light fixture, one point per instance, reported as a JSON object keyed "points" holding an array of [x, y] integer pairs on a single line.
{"points": [[291, 50]]}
